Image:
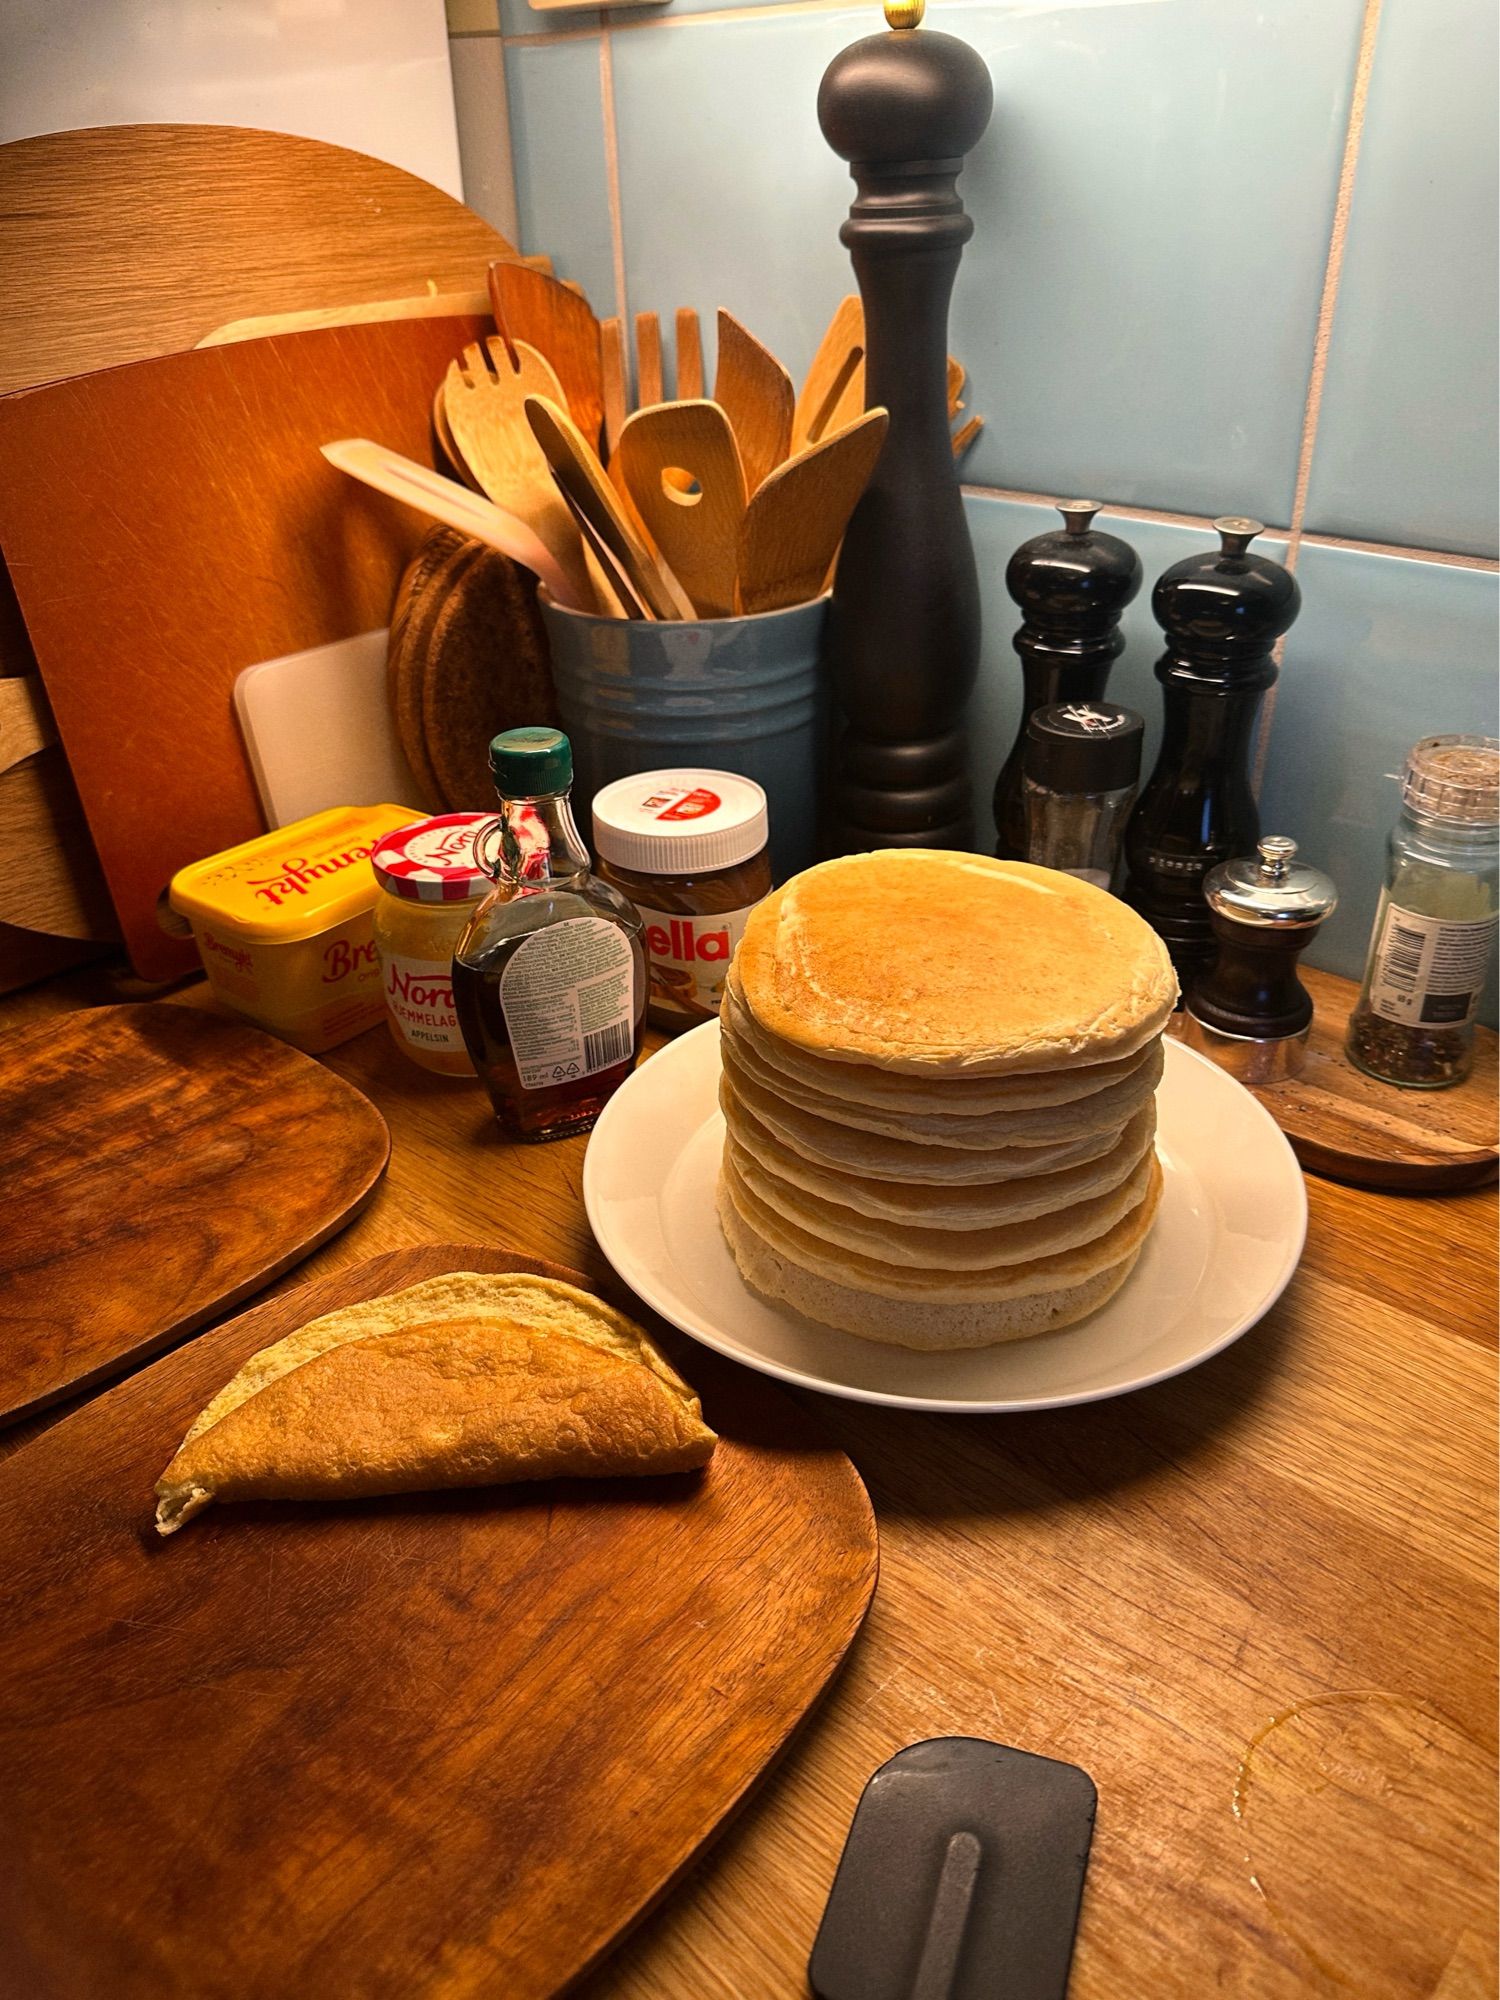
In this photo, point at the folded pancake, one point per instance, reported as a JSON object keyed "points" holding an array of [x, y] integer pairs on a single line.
{"points": [[940, 964], [466, 1380], [1052, 1125]]}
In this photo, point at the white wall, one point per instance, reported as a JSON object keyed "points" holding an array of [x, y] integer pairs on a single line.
{"points": [[372, 75]]}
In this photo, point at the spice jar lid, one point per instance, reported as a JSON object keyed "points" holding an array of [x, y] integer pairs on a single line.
{"points": [[1084, 746], [680, 822], [1454, 778], [1271, 887], [434, 860]]}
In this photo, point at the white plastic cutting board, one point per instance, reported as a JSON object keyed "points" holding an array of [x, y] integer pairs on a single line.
{"points": [[317, 726]]}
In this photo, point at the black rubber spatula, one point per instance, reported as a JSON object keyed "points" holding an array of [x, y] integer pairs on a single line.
{"points": [[960, 1879]]}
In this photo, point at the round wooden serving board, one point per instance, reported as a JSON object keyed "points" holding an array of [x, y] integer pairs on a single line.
{"points": [[442, 1744], [158, 1165], [1348, 1127]]}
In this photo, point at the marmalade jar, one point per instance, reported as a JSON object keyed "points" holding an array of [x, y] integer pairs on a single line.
{"points": [[432, 877]]}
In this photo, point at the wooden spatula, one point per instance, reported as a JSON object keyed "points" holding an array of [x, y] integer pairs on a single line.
{"points": [[756, 394], [581, 477], [682, 470], [689, 356], [794, 524], [840, 352], [649, 379], [484, 398], [557, 322], [445, 500], [613, 375], [443, 431]]}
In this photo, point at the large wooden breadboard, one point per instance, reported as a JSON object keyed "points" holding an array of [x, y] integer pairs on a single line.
{"points": [[439, 1745]]}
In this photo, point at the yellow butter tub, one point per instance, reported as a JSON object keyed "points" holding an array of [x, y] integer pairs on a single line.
{"points": [[283, 924]]}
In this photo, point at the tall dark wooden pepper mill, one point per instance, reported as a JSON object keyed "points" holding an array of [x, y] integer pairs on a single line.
{"points": [[903, 639], [1072, 585], [1222, 614]]}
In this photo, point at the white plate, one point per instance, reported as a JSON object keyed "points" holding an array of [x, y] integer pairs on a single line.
{"points": [[1226, 1240]]}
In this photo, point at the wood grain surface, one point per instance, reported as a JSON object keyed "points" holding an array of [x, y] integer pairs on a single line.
{"points": [[207, 224], [156, 1166], [1214, 1576], [1348, 1125], [441, 1744], [170, 523]]}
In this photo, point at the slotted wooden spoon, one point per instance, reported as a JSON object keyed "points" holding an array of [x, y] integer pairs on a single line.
{"points": [[840, 352], [756, 394], [681, 467], [795, 522]]}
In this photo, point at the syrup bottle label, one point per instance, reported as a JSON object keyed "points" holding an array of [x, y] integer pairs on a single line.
{"points": [[1428, 970], [568, 997]]}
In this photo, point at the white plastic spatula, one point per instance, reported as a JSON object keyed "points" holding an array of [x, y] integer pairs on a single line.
{"points": [[318, 730]]}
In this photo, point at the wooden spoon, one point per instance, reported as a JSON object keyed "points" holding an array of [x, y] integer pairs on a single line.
{"points": [[485, 400], [443, 431], [557, 322], [794, 524], [445, 500], [579, 474], [756, 394], [681, 468]]}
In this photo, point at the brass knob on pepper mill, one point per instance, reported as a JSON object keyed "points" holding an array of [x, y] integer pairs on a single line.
{"points": [[1250, 1012]]}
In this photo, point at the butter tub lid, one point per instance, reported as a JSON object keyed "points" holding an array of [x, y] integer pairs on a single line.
{"points": [[294, 882]]}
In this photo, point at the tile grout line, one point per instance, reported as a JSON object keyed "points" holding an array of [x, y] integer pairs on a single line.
{"points": [[612, 180], [1364, 63], [1164, 518], [661, 18]]}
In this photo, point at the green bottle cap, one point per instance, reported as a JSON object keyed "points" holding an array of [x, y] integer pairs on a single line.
{"points": [[531, 763]]}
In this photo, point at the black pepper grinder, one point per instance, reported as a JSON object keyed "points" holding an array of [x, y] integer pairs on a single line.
{"points": [[903, 633], [1073, 587], [1250, 1011], [1222, 614]]}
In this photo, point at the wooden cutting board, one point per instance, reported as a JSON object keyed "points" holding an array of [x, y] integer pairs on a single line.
{"points": [[167, 525], [156, 1167], [442, 1744]]}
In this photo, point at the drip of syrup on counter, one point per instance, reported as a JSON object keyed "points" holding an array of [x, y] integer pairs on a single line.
{"points": [[1380, 1795]]}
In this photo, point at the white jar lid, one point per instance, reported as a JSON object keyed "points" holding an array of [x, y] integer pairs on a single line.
{"points": [[679, 822]]}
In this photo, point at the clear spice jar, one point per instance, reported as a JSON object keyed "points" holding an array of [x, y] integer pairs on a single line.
{"points": [[432, 877], [1434, 938], [1083, 762]]}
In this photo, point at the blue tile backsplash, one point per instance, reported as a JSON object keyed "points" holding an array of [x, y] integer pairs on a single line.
{"points": [[1157, 222]]}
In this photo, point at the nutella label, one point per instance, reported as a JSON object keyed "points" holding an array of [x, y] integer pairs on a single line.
{"points": [[690, 958], [419, 995]]}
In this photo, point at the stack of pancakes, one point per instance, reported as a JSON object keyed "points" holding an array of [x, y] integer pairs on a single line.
{"points": [[939, 1078]]}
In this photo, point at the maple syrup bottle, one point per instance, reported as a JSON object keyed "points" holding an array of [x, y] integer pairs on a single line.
{"points": [[549, 978], [1072, 586], [1222, 613]]}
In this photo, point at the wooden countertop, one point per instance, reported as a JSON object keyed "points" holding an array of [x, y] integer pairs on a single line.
{"points": [[1256, 1603]]}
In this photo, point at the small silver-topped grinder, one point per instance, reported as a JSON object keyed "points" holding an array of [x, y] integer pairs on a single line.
{"points": [[1250, 1012]]}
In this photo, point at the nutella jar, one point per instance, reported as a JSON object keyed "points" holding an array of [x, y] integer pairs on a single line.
{"points": [[689, 850]]}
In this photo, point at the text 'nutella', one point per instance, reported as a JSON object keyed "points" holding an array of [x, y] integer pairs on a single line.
{"points": [[689, 850]]}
